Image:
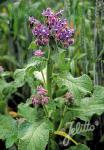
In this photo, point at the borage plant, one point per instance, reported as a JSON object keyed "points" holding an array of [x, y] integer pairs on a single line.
{"points": [[57, 98]]}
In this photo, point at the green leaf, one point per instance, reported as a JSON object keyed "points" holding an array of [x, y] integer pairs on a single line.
{"points": [[19, 77], [37, 63], [3, 84], [72, 66], [8, 130], [9, 89], [35, 138], [2, 106], [27, 112], [23, 126], [79, 147], [6, 89], [79, 86], [53, 145], [32, 45], [88, 106]]}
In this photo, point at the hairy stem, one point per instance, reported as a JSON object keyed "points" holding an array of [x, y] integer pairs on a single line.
{"points": [[61, 122], [43, 77], [49, 74]]}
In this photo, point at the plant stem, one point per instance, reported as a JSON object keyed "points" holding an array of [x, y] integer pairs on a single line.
{"points": [[43, 77], [49, 74], [61, 122], [44, 107], [45, 110]]}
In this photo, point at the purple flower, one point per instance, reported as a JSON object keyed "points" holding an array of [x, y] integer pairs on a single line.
{"points": [[39, 100], [51, 22], [48, 12], [41, 90], [35, 100], [59, 13], [45, 100], [1, 69], [61, 25], [63, 33], [42, 42], [38, 53], [56, 27], [69, 98], [52, 18], [33, 21], [41, 33]]}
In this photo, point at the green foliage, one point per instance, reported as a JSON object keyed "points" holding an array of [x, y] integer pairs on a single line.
{"points": [[32, 45], [87, 107], [22, 111], [79, 86], [8, 130], [35, 138], [32, 134], [79, 147]]}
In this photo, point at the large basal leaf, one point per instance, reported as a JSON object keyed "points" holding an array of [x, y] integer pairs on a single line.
{"points": [[79, 147], [19, 77], [27, 112], [79, 86], [88, 106], [6, 88], [35, 138], [8, 130], [9, 89], [3, 84]]}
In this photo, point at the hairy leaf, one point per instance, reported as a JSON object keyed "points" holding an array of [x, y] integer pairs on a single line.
{"points": [[79, 86], [79, 147], [35, 138], [8, 130], [88, 106], [27, 112]]}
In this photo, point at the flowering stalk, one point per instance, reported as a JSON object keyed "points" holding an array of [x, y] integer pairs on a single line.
{"points": [[54, 30], [61, 122], [49, 73], [49, 77], [44, 81]]}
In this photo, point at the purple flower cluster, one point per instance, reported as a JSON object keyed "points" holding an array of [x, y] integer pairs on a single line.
{"points": [[38, 53], [33, 21], [41, 90], [69, 99], [55, 27], [40, 98], [63, 34], [41, 33]]}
